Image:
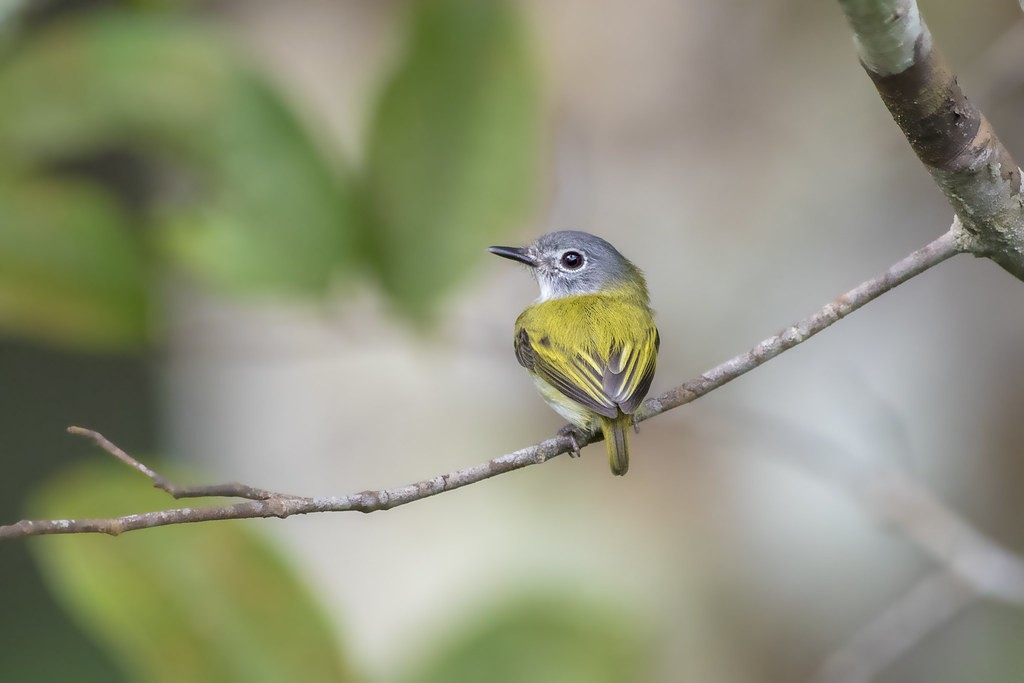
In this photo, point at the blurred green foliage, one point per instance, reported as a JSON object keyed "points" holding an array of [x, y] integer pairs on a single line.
{"points": [[137, 141], [543, 639], [229, 184], [209, 602], [68, 266], [453, 147], [42, 390], [215, 602]]}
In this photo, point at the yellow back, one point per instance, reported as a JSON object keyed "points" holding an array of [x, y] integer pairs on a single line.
{"points": [[591, 323], [597, 349]]}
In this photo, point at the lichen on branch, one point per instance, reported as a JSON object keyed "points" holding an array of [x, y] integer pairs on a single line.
{"points": [[954, 140]]}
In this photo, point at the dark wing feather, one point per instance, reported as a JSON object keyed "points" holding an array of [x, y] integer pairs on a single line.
{"points": [[524, 351], [579, 380], [604, 385], [631, 370], [586, 392]]}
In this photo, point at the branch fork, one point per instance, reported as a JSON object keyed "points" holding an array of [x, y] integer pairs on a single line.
{"points": [[982, 182]]}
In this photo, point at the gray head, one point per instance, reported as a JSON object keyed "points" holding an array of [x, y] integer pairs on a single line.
{"points": [[571, 262]]}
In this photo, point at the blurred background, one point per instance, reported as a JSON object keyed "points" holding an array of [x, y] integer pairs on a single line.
{"points": [[246, 240]]}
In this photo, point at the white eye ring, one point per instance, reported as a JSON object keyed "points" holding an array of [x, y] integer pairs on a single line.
{"points": [[571, 260]]}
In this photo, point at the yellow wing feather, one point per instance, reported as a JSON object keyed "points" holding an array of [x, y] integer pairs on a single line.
{"points": [[599, 350]]}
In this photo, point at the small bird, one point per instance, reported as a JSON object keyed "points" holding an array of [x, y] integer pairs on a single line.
{"points": [[589, 341]]}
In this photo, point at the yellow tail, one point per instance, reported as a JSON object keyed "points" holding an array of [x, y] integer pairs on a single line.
{"points": [[616, 436]]}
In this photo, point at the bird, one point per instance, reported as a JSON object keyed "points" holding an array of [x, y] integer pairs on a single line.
{"points": [[589, 341]]}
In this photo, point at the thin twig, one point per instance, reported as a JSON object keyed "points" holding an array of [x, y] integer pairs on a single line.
{"points": [[929, 604], [972, 566], [916, 263], [282, 506], [983, 183], [232, 490], [902, 502], [269, 504], [991, 569]]}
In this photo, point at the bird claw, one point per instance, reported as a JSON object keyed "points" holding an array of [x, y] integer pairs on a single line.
{"points": [[636, 424], [573, 433]]}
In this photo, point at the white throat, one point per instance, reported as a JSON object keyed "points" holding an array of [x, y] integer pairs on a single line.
{"points": [[547, 292]]}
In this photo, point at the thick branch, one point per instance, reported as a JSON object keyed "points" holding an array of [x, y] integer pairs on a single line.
{"points": [[949, 134], [269, 504]]}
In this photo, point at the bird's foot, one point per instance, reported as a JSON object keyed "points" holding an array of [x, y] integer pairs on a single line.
{"points": [[636, 423], [575, 435]]}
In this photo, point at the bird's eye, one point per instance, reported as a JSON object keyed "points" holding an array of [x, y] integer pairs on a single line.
{"points": [[572, 260]]}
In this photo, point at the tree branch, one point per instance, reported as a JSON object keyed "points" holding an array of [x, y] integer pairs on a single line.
{"points": [[929, 604], [970, 565], [264, 503], [916, 263], [948, 133], [233, 490], [982, 182]]}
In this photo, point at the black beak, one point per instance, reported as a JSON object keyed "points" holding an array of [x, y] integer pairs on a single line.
{"points": [[521, 254]]}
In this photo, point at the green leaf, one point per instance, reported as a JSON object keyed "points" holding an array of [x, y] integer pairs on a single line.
{"points": [[543, 639], [249, 201], [454, 147], [211, 602], [145, 80], [71, 271], [276, 217]]}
